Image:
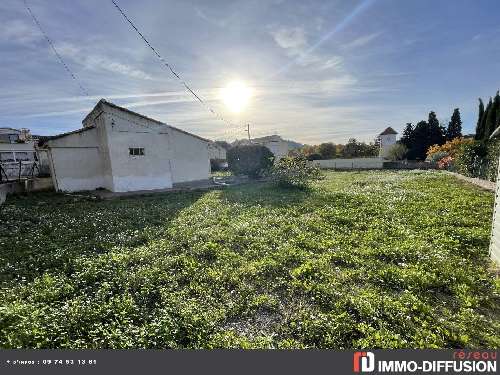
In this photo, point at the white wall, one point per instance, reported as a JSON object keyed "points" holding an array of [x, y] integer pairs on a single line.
{"points": [[190, 161], [99, 156], [76, 162], [131, 173], [356, 163], [276, 145], [216, 152], [386, 142]]}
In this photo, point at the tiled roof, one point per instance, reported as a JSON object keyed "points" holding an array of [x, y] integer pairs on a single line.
{"points": [[389, 130]]}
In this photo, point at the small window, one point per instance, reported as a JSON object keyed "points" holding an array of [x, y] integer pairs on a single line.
{"points": [[136, 151]]}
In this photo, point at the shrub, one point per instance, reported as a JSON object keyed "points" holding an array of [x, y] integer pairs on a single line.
{"points": [[469, 159], [493, 153], [450, 147], [314, 156], [437, 156], [251, 160], [445, 162], [294, 172], [327, 151], [397, 152]]}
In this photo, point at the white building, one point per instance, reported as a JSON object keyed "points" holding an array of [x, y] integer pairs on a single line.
{"points": [[386, 140], [120, 150], [216, 151], [17, 151], [277, 145]]}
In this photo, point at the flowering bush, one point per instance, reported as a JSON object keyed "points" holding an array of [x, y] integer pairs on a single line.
{"points": [[445, 163], [450, 147], [436, 157]]}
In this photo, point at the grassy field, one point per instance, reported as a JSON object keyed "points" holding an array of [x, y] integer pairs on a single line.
{"points": [[370, 259]]}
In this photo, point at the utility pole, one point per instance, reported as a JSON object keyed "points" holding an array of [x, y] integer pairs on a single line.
{"points": [[248, 131]]}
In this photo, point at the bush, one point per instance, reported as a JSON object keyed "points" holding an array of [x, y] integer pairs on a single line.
{"points": [[397, 152], [493, 153], [314, 156], [445, 162], [294, 172], [469, 159], [437, 156], [251, 160], [327, 151], [450, 147]]}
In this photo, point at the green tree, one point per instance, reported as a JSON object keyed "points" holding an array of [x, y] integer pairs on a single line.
{"points": [[479, 128], [355, 149], [419, 145], [488, 122], [251, 160], [407, 138], [327, 150], [435, 133], [454, 129], [494, 121], [397, 151]]}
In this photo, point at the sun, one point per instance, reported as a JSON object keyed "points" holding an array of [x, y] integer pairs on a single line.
{"points": [[236, 95]]}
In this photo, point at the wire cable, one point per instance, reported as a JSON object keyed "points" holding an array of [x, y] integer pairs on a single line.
{"points": [[166, 64], [51, 44]]}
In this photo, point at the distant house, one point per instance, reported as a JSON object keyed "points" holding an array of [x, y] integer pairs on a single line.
{"points": [[386, 139], [216, 151], [277, 145], [17, 152], [121, 150]]}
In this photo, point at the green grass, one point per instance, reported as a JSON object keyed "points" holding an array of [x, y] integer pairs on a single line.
{"points": [[370, 259]]}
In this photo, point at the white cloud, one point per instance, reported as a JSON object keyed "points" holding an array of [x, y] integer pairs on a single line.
{"points": [[94, 61], [362, 40], [290, 38], [17, 31], [294, 41]]}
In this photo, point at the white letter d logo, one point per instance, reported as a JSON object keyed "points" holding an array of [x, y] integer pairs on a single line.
{"points": [[368, 362]]}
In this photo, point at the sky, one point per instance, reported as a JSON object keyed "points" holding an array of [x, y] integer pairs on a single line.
{"points": [[320, 71]]}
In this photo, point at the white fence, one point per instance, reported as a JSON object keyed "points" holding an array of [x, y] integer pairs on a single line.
{"points": [[357, 163]]}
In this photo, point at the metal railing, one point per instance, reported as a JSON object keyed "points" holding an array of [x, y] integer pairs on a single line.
{"points": [[18, 170]]}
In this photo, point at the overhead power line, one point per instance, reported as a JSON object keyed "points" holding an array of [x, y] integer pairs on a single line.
{"points": [[170, 68], [59, 57]]}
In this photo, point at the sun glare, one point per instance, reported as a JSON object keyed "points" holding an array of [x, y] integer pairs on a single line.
{"points": [[236, 95]]}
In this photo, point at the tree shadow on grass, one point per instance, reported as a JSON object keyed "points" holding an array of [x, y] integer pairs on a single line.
{"points": [[270, 195], [46, 232]]}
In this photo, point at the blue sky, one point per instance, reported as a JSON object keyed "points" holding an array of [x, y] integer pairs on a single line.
{"points": [[320, 70]]}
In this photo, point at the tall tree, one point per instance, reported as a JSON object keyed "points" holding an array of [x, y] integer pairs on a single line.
{"points": [[479, 129], [495, 121], [327, 150], [407, 138], [488, 121], [454, 129], [435, 135], [420, 142]]}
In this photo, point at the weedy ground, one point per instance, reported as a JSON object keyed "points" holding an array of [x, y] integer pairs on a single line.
{"points": [[370, 259]]}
